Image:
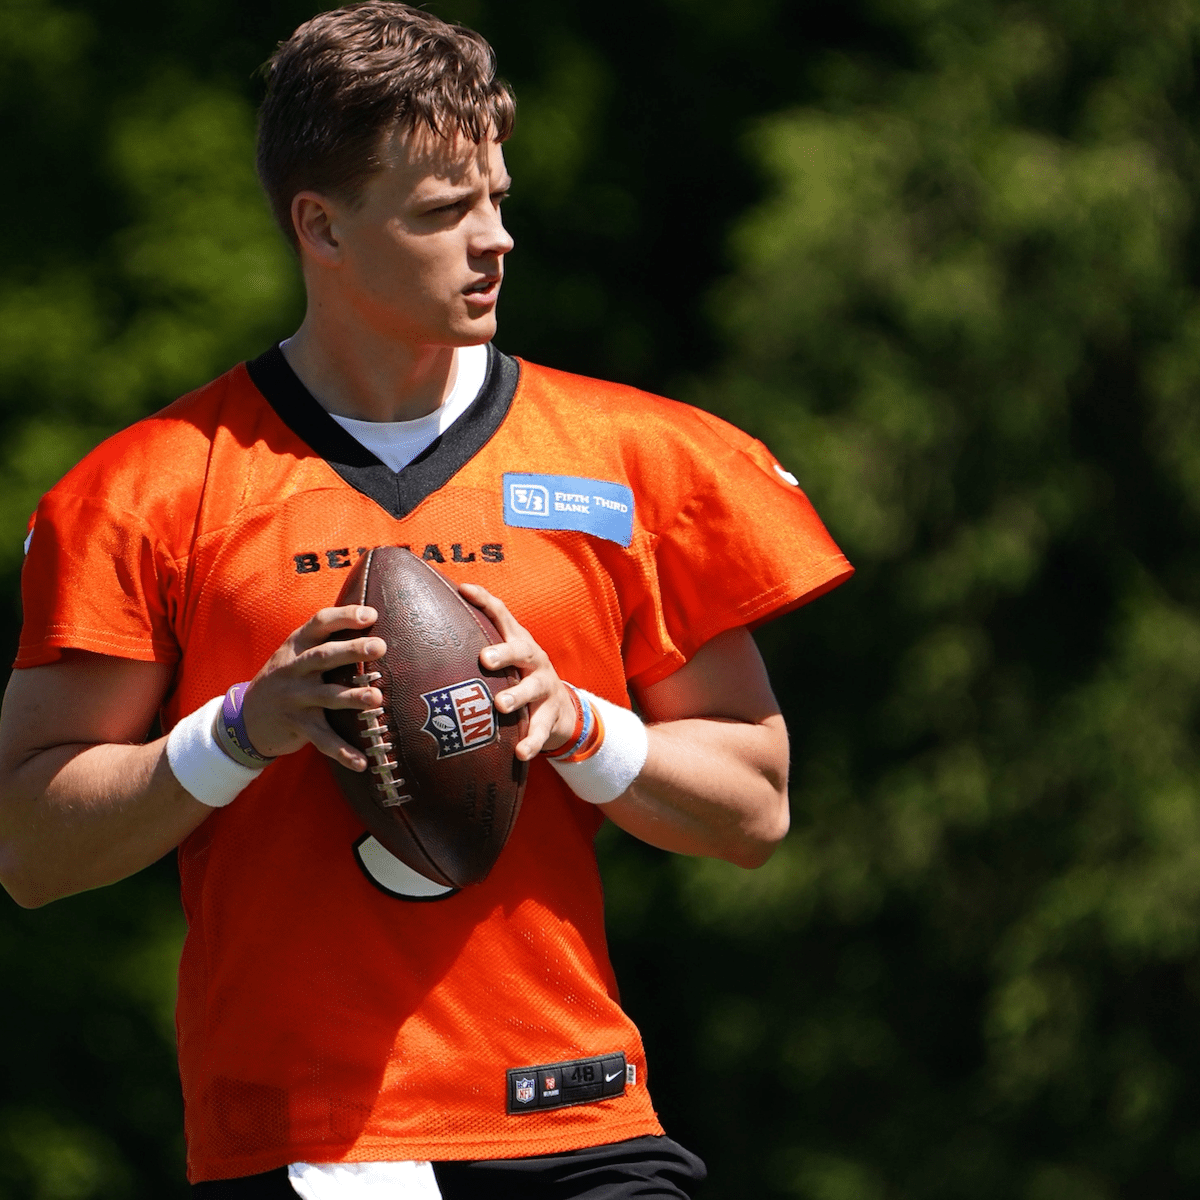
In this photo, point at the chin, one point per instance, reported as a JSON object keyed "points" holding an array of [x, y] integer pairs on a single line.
{"points": [[476, 333]]}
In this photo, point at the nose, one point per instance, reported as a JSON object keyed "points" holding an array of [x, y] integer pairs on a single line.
{"points": [[490, 238]]}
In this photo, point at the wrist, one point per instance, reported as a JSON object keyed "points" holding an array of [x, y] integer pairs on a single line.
{"points": [[204, 770], [582, 726], [229, 728], [607, 756]]}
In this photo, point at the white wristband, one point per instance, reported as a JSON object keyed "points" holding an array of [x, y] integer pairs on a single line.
{"points": [[199, 763], [618, 762]]}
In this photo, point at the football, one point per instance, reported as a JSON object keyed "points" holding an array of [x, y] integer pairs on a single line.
{"points": [[443, 788]]}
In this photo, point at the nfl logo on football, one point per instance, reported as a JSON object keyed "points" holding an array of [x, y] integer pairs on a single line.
{"points": [[524, 1091], [460, 717]]}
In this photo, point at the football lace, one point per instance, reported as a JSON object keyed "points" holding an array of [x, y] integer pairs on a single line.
{"points": [[383, 766]]}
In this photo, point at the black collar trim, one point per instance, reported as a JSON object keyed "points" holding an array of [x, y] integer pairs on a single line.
{"points": [[397, 493]]}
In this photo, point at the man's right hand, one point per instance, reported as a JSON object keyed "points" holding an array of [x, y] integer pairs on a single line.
{"points": [[284, 706]]}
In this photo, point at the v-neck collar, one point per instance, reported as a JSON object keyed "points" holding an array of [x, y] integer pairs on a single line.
{"points": [[396, 492]]}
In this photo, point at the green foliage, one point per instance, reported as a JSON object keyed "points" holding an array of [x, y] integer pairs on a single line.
{"points": [[193, 278], [90, 1093], [51, 1161], [965, 318]]}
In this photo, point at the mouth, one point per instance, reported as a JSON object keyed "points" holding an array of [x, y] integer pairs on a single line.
{"points": [[484, 289]]}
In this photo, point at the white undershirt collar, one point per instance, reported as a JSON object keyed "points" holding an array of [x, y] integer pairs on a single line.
{"points": [[397, 443]]}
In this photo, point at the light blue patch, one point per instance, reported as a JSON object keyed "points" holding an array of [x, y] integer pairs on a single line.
{"points": [[594, 506]]}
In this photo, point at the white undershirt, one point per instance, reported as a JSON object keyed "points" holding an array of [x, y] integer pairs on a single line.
{"points": [[364, 1181], [397, 443]]}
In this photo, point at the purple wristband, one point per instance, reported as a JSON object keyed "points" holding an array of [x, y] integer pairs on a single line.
{"points": [[230, 728]]}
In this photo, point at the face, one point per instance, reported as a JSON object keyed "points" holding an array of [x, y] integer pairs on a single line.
{"points": [[420, 260]]}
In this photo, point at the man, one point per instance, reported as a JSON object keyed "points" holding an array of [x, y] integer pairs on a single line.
{"points": [[345, 1023]]}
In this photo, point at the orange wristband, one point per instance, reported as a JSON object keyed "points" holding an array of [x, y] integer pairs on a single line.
{"points": [[592, 743]]}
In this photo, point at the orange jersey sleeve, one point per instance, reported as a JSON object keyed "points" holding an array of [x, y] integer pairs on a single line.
{"points": [[108, 546], [724, 534], [744, 544]]}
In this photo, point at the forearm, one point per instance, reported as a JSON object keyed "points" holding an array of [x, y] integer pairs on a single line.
{"points": [[76, 817], [84, 802], [711, 787]]}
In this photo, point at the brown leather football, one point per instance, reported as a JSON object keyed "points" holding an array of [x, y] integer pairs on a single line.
{"points": [[444, 786]]}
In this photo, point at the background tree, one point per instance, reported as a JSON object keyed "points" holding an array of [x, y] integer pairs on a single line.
{"points": [[942, 257]]}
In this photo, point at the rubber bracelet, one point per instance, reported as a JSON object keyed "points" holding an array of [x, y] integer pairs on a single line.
{"points": [[230, 728], [584, 721], [203, 769], [617, 759], [590, 744]]}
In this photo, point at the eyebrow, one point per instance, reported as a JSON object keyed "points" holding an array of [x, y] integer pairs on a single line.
{"points": [[455, 195]]}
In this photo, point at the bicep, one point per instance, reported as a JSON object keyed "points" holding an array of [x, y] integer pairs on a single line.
{"points": [[725, 678], [82, 699], [715, 777]]}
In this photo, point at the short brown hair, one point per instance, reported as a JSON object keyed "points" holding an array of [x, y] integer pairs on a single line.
{"points": [[347, 78]]}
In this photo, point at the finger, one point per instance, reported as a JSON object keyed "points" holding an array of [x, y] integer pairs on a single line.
{"points": [[530, 746], [312, 692], [495, 608], [329, 621], [321, 735], [551, 722], [528, 749], [523, 653], [329, 655], [476, 593], [331, 695], [531, 690]]}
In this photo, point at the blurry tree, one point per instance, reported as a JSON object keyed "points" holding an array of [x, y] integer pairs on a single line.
{"points": [[967, 319], [963, 310]]}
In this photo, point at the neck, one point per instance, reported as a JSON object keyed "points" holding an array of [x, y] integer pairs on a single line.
{"points": [[366, 376]]}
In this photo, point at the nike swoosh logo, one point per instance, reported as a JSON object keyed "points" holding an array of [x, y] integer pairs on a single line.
{"points": [[610, 1078]]}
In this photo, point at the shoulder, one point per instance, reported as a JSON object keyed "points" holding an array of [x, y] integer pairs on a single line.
{"points": [[601, 402], [618, 411], [673, 449], [180, 434], [153, 472]]}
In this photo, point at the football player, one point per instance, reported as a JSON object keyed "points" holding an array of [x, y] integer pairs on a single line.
{"points": [[347, 1027]]}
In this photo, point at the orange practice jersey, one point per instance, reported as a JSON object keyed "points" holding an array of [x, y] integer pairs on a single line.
{"points": [[324, 1013]]}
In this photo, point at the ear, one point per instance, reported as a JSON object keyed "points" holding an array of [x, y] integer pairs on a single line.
{"points": [[314, 218]]}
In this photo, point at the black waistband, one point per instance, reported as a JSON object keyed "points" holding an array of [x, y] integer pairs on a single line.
{"points": [[645, 1167]]}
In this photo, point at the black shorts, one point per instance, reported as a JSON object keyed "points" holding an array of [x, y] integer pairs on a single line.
{"points": [[648, 1168]]}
